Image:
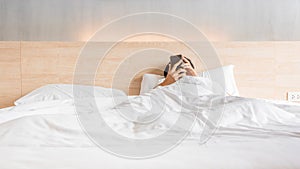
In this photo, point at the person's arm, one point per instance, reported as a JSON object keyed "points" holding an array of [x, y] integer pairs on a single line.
{"points": [[188, 67], [173, 74]]}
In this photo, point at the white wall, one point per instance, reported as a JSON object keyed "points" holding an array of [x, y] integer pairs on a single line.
{"points": [[75, 20]]}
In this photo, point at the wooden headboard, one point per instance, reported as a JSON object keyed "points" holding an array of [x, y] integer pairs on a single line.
{"points": [[262, 69]]}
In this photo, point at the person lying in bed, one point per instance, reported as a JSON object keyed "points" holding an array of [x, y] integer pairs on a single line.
{"points": [[172, 73]]}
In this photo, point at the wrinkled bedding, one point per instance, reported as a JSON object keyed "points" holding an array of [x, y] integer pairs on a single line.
{"points": [[225, 132]]}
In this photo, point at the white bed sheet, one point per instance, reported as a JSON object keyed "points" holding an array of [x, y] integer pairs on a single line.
{"points": [[252, 134], [255, 153]]}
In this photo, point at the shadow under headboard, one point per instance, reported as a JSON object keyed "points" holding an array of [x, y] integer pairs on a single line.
{"points": [[262, 69]]}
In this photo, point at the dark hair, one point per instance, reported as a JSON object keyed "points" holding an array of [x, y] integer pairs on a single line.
{"points": [[167, 67]]}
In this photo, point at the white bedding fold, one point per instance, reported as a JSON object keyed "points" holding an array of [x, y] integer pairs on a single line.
{"points": [[259, 124]]}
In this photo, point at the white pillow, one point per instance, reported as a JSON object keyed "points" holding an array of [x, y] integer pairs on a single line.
{"points": [[149, 81], [65, 91], [228, 83]]}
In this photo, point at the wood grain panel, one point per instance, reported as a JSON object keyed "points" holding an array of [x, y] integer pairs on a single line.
{"points": [[255, 66], [262, 69], [10, 73], [47, 62], [121, 67]]}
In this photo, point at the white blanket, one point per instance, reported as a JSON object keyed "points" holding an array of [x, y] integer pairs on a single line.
{"points": [[250, 133]]}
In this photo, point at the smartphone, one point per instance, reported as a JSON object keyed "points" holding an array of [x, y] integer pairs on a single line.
{"points": [[174, 59]]}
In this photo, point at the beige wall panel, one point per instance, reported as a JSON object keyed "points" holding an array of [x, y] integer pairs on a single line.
{"points": [[255, 66], [47, 62], [262, 69], [258, 92], [287, 56], [10, 73], [126, 53]]}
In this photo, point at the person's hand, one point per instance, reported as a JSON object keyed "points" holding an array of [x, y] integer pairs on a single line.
{"points": [[190, 71], [173, 74]]}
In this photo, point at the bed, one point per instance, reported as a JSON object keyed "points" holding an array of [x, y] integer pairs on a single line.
{"points": [[44, 129]]}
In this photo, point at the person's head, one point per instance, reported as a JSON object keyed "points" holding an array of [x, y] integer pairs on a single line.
{"points": [[167, 67]]}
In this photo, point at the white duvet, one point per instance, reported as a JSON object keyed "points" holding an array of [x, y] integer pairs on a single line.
{"points": [[227, 132]]}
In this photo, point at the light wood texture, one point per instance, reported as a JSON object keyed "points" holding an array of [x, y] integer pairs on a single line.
{"points": [[44, 63], [121, 68], [10, 73], [262, 69]]}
